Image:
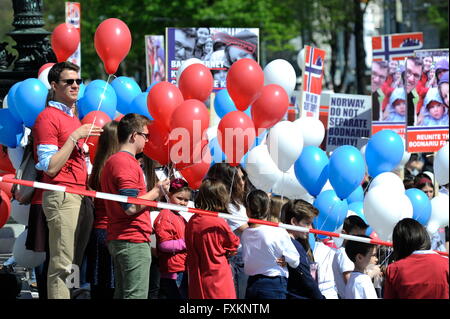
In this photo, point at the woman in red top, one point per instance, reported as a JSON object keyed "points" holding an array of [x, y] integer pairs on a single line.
{"points": [[418, 273], [100, 272], [209, 241], [169, 229]]}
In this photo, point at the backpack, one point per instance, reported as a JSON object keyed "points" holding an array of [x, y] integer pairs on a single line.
{"points": [[26, 171]]}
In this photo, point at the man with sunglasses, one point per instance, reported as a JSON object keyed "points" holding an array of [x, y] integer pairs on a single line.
{"points": [[61, 152], [129, 226]]}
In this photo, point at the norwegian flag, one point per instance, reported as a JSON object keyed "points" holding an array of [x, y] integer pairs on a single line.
{"points": [[312, 81], [396, 46]]}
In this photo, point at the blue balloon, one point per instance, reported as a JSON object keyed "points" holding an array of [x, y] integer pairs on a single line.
{"points": [[29, 99], [421, 205], [312, 241], [92, 99], [346, 170], [151, 85], [332, 211], [12, 102], [223, 104], [126, 90], [99, 84], [311, 169], [81, 91], [139, 105], [384, 152], [369, 231], [11, 131], [358, 208], [218, 156], [356, 196]]}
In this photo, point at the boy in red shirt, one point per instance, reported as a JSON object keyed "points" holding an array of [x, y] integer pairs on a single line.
{"points": [[129, 225]]}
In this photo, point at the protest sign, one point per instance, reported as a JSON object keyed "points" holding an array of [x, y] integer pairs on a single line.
{"points": [[155, 59], [349, 120], [396, 46], [216, 48], [73, 17], [427, 108], [312, 71]]}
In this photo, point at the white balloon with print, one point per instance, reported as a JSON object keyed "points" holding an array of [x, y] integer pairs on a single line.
{"points": [[384, 208], [25, 257], [262, 171], [439, 213], [440, 165], [185, 64], [312, 130], [280, 72], [285, 144]]}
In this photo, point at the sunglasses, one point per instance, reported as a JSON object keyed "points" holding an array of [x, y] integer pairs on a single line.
{"points": [[144, 135], [70, 81]]}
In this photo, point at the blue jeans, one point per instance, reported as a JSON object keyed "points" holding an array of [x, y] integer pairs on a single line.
{"points": [[264, 287], [239, 276], [174, 288]]}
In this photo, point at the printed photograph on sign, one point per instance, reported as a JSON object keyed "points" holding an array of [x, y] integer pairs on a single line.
{"points": [[216, 48], [155, 58], [426, 79]]}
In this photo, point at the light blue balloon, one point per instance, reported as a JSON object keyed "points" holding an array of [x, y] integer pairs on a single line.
{"points": [[356, 196], [384, 152], [99, 84], [346, 170], [421, 205], [126, 90], [81, 91], [218, 156], [11, 131], [30, 99], [311, 169], [332, 211], [139, 105], [92, 98], [369, 231], [223, 104], [12, 102], [358, 208]]}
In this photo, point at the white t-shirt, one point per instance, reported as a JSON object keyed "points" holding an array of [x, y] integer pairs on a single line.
{"points": [[242, 212], [324, 256], [262, 245], [341, 264], [359, 286]]}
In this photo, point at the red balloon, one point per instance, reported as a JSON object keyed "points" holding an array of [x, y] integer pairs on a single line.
{"points": [[5, 164], [196, 82], [98, 118], [157, 147], [270, 107], [195, 157], [5, 208], [162, 100], [235, 134], [6, 187], [119, 117], [112, 41], [46, 65], [195, 173], [245, 80], [65, 40]]}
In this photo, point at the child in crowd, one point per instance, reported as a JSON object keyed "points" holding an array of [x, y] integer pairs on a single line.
{"points": [[209, 241], [276, 203], [396, 110], [265, 251], [359, 285], [434, 112], [169, 228]]}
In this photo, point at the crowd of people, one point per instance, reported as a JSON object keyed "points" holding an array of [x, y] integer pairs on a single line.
{"points": [[131, 251]]}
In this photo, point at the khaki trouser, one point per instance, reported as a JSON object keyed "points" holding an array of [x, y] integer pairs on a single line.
{"points": [[68, 236]]}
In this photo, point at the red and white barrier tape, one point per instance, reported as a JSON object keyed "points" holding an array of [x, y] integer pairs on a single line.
{"points": [[161, 205]]}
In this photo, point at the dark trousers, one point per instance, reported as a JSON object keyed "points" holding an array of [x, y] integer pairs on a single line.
{"points": [[265, 287], [174, 288]]}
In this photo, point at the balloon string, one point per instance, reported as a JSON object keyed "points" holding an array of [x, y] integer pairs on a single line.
{"points": [[231, 186], [98, 107], [282, 196]]}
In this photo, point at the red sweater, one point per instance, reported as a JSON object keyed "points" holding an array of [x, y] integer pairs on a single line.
{"points": [[418, 276]]}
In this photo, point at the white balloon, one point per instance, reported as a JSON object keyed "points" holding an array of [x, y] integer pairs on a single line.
{"points": [[43, 77], [440, 165], [5, 102], [289, 186], [262, 171], [285, 144], [327, 186], [24, 257], [388, 181], [185, 64], [383, 209], [20, 213], [338, 241], [439, 213], [280, 72], [211, 132], [15, 156], [312, 130], [301, 59]]}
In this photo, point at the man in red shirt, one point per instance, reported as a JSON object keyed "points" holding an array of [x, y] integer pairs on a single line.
{"points": [[59, 140], [129, 225]]}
